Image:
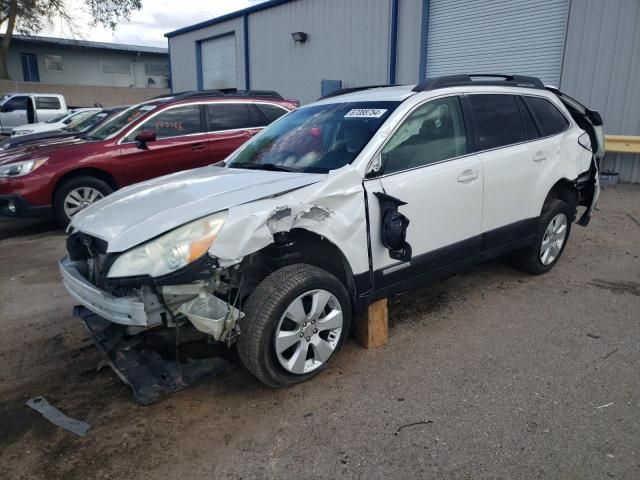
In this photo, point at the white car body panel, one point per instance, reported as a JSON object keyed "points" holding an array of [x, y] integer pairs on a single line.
{"points": [[333, 208], [138, 213], [435, 222], [40, 127]]}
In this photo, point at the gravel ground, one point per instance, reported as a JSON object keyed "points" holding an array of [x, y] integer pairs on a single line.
{"points": [[490, 374]]}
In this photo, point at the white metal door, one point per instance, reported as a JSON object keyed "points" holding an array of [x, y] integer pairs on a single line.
{"points": [[501, 36], [218, 60], [444, 202]]}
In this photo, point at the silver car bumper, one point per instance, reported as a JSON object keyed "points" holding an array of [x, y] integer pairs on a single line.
{"points": [[122, 310]]}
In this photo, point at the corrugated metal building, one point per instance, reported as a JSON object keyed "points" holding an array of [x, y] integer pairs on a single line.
{"points": [[591, 48]]}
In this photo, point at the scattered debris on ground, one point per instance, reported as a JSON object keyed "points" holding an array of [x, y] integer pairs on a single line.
{"points": [[55, 416]]}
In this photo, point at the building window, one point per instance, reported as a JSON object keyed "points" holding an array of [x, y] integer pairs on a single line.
{"points": [[53, 63], [156, 69], [115, 67]]}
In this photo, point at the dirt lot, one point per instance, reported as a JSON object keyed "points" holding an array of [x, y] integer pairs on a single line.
{"points": [[503, 375]]}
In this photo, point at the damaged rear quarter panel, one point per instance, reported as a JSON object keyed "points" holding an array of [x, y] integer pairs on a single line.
{"points": [[333, 208]]}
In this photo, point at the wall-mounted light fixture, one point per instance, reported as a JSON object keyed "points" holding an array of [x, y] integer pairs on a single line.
{"points": [[299, 37]]}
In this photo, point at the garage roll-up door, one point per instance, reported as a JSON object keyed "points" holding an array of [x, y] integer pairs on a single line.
{"points": [[498, 36], [218, 60]]}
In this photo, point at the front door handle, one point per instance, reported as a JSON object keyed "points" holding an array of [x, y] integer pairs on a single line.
{"points": [[467, 176], [198, 147], [540, 156]]}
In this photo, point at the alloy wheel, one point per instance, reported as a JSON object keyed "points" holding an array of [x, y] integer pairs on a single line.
{"points": [[308, 332], [79, 199], [553, 240]]}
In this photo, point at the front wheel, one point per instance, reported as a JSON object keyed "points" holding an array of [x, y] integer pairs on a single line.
{"points": [[295, 321], [552, 234], [76, 194]]}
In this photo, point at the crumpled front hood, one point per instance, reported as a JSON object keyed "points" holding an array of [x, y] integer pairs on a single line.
{"points": [[145, 210]]}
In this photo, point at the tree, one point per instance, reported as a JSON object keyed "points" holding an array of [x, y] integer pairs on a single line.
{"points": [[29, 17]]}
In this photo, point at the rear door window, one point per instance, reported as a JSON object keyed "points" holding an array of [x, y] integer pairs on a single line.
{"points": [[173, 122], [498, 120], [549, 118], [271, 112], [48, 103], [530, 128], [232, 116]]}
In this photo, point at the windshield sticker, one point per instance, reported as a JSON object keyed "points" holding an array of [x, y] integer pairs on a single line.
{"points": [[366, 113]]}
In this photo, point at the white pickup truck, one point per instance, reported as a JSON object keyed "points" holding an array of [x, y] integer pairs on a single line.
{"points": [[17, 109]]}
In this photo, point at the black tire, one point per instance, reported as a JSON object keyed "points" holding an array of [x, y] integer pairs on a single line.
{"points": [[73, 183], [263, 310], [528, 259]]}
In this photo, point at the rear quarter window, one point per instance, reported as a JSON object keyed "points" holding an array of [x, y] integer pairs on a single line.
{"points": [[549, 119], [271, 112], [48, 103]]}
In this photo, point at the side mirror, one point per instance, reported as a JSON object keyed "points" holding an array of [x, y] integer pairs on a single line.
{"points": [[394, 227], [144, 137]]}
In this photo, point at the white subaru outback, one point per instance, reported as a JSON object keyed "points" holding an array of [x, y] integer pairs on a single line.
{"points": [[360, 195]]}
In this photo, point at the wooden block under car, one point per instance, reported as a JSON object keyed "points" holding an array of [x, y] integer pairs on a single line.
{"points": [[372, 328]]}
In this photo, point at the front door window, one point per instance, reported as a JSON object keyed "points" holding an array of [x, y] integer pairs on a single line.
{"points": [[432, 133], [172, 122]]}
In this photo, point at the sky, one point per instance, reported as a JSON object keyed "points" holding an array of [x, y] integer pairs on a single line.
{"points": [[148, 26]]}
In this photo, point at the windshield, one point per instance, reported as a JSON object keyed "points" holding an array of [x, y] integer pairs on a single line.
{"points": [[85, 123], [314, 139], [118, 122], [59, 118]]}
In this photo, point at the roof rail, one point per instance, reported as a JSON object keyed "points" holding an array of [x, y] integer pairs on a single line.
{"points": [[232, 92], [494, 79], [344, 91], [252, 93]]}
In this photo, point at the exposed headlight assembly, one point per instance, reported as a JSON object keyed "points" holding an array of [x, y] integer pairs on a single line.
{"points": [[171, 251], [19, 169]]}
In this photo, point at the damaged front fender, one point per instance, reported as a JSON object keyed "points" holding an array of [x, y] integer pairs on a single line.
{"points": [[333, 209]]}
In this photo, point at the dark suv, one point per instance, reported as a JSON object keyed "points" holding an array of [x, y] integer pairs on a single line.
{"points": [[151, 139]]}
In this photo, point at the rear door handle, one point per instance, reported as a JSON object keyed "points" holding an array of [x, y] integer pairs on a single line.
{"points": [[540, 156], [198, 147], [467, 176]]}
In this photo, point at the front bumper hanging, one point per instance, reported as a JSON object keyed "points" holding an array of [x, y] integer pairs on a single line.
{"points": [[138, 364]]}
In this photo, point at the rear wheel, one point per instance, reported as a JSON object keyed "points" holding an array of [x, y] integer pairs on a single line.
{"points": [[553, 232], [76, 194], [296, 320]]}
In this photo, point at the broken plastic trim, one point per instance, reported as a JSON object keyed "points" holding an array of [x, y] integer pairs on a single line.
{"points": [[150, 377], [210, 315], [394, 227]]}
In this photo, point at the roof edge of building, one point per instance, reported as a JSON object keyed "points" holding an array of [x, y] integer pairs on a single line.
{"points": [[229, 16], [68, 42]]}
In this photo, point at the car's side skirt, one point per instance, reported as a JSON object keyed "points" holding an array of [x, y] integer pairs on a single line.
{"points": [[443, 262]]}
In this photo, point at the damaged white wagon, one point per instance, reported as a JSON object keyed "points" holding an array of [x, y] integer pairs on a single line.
{"points": [[342, 202]]}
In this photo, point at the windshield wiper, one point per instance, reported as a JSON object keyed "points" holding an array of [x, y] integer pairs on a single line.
{"points": [[264, 166]]}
